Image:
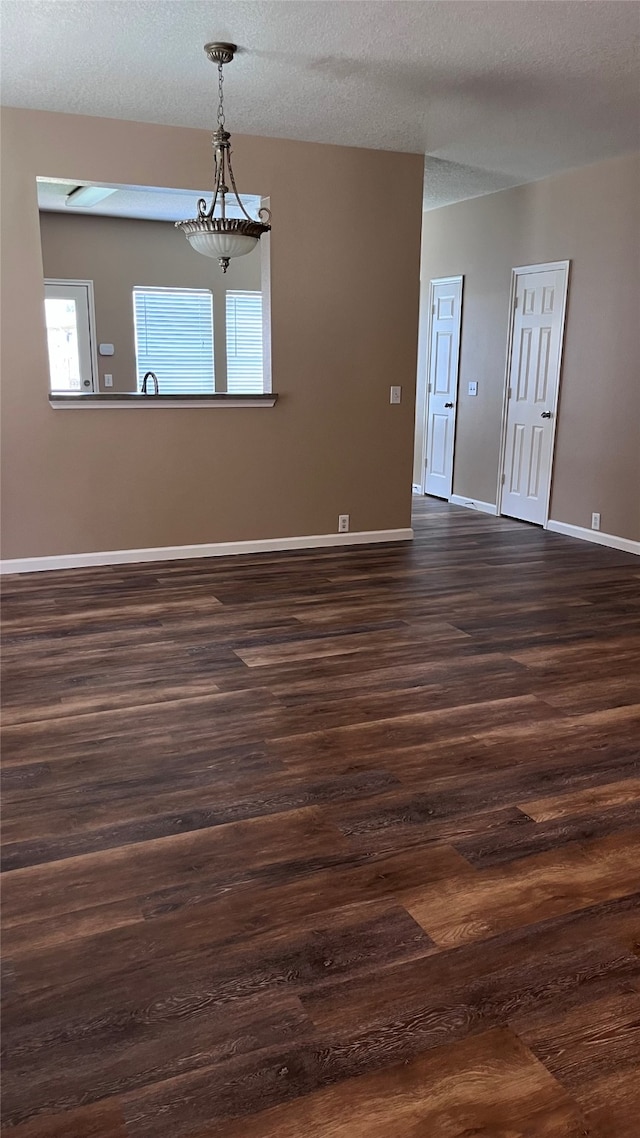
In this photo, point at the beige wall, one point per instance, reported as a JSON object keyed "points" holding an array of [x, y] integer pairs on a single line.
{"points": [[592, 217], [119, 253], [344, 326]]}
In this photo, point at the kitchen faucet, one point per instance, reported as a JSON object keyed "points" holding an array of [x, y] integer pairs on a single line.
{"points": [[156, 388]]}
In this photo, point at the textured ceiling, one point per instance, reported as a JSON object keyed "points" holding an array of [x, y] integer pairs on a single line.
{"points": [[494, 93]]}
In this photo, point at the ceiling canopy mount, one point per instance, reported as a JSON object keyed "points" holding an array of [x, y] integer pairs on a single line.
{"points": [[220, 52]]}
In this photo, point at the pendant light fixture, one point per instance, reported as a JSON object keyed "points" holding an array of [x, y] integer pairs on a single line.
{"points": [[213, 232]]}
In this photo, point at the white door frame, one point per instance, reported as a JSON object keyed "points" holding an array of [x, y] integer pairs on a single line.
{"points": [[93, 335], [438, 281], [522, 270]]}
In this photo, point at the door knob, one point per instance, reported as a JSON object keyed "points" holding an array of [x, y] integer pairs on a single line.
{"points": [[546, 415], [448, 404]]}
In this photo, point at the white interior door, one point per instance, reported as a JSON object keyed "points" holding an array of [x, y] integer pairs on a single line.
{"points": [[442, 388], [68, 309], [532, 395]]}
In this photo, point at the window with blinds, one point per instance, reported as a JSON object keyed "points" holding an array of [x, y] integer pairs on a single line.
{"points": [[244, 343], [174, 339]]}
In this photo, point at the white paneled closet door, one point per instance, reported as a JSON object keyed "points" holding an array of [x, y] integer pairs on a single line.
{"points": [[533, 384], [442, 391]]}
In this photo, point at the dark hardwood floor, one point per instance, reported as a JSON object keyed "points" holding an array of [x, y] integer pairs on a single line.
{"points": [[330, 844]]}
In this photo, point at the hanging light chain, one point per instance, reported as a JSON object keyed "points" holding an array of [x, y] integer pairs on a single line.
{"points": [[211, 231], [220, 97]]}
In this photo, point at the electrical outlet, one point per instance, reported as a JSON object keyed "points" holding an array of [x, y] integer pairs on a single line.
{"points": [[595, 521], [472, 388], [343, 523], [108, 381], [395, 394]]}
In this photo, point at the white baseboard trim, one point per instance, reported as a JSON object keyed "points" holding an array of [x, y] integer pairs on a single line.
{"points": [[473, 504], [595, 536], [215, 549]]}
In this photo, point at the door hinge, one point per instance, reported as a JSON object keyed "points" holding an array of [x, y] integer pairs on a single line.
{"points": [[429, 388], [509, 392], [502, 480], [433, 309], [516, 302]]}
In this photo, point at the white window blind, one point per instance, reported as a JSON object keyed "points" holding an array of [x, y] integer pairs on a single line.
{"points": [[244, 343], [174, 339]]}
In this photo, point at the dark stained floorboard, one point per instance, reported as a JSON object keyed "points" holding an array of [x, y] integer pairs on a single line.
{"points": [[337, 843]]}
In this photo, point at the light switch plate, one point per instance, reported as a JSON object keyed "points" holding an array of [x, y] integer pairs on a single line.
{"points": [[473, 388], [395, 394], [108, 381]]}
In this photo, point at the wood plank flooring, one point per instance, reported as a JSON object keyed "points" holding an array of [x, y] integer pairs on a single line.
{"points": [[335, 844]]}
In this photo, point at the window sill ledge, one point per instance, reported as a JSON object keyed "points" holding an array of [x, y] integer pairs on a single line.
{"points": [[133, 399]]}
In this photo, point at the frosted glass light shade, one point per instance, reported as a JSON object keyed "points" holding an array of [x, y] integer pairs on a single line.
{"points": [[222, 237], [222, 244]]}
